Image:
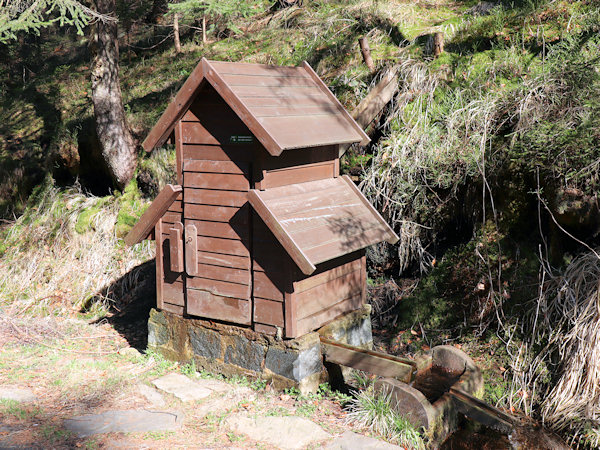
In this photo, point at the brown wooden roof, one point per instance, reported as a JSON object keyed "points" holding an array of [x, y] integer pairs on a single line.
{"points": [[320, 220], [284, 107]]}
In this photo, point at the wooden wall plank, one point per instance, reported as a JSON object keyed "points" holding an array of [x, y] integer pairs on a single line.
{"points": [[327, 276], [298, 174], [215, 197], [217, 152], [268, 312], [290, 305], [229, 274], [219, 259], [205, 304], [220, 288], [321, 297], [225, 181], [264, 287], [215, 213], [195, 165], [265, 329], [173, 309], [323, 316], [219, 229], [224, 246], [173, 293]]}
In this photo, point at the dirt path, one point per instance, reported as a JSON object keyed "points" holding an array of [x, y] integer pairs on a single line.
{"points": [[71, 370]]}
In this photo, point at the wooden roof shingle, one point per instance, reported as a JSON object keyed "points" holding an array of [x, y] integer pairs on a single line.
{"points": [[284, 107]]}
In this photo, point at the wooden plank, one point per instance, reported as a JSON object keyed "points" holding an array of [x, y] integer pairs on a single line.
{"points": [[225, 181], [213, 131], [161, 130], [224, 246], [176, 247], [321, 317], [290, 305], [156, 210], [309, 70], [218, 259], [215, 197], [363, 277], [240, 152], [195, 165], [298, 157], [173, 309], [264, 287], [259, 70], [481, 412], [178, 152], [220, 229], [393, 236], [282, 236], [260, 91], [299, 174], [173, 293], [324, 295], [191, 250], [327, 276], [376, 363], [265, 329], [292, 110], [216, 213], [176, 207], [159, 264], [171, 217], [309, 131], [204, 304], [323, 186], [268, 312], [274, 101], [229, 274], [235, 80], [233, 100], [220, 288], [340, 244]]}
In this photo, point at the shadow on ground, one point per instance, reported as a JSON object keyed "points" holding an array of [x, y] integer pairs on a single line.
{"points": [[130, 299]]}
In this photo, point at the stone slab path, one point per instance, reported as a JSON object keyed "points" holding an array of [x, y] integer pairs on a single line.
{"points": [[288, 432], [187, 390], [123, 421], [17, 394], [353, 441]]}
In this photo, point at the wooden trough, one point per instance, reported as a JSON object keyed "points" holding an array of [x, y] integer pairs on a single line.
{"points": [[261, 230]]}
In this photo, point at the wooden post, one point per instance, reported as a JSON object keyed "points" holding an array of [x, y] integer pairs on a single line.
{"points": [[366, 53], [176, 40], [438, 44], [204, 28]]}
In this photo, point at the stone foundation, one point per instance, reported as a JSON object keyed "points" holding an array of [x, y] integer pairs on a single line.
{"points": [[232, 350]]}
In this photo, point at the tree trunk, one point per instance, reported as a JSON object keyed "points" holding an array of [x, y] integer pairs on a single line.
{"points": [[204, 28], [366, 53], [438, 44], [176, 33], [116, 141]]}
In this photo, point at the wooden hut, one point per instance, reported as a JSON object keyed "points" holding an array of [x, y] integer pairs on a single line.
{"points": [[261, 230]]}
